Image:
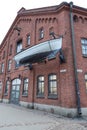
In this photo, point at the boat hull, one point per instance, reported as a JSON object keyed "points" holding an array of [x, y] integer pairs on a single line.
{"points": [[39, 52]]}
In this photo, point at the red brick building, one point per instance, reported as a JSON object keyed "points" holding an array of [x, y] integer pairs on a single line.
{"points": [[51, 85]]}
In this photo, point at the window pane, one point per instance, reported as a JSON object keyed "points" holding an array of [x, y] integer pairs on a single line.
{"points": [[0, 86], [28, 40], [43, 89], [41, 33], [13, 87], [82, 41], [52, 77], [2, 69], [41, 78], [9, 65], [85, 76], [39, 90]]}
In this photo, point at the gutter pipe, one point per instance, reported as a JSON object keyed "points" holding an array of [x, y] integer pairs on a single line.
{"points": [[75, 61]]}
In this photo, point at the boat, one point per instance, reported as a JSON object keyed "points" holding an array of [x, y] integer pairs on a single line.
{"points": [[39, 52]]}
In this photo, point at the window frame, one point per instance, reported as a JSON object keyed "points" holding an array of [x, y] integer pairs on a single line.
{"points": [[2, 68], [28, 40], [9, 64], [19, 46], [17, 65], [10, 50], [42, 83], [25, 91], [84, 45], [85, 82], [41, 33], [0, 86], [51, 95]]}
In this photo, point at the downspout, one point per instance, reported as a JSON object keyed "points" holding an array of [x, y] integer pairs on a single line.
{"points": [[75, 61], [33, 71]]}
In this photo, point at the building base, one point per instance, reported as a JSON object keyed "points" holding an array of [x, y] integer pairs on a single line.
{"points": [[5, 100], [69, 112]]}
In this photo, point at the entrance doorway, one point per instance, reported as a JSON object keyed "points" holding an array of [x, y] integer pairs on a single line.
{"points": [[15, 91]]}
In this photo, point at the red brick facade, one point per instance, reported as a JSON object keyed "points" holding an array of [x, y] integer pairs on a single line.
{"points": [[30, 22]]}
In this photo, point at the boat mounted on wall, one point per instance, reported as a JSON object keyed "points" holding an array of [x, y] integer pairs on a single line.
{"points": [[39, 52]]}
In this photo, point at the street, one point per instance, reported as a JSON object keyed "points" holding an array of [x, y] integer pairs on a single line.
{"points": [[14, 117]]}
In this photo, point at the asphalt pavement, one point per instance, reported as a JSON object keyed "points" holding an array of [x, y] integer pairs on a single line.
{"points": [[13, 117]]}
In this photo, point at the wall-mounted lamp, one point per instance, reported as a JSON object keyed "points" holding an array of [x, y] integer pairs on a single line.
{"points": [[19, 76], [8, 78], [61, 56], [30, 67]]}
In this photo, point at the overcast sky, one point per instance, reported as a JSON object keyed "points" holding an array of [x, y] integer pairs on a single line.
{"points": [[9, 9]]}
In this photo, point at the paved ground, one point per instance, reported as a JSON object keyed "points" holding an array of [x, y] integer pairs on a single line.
{"points": [[18, 118]]}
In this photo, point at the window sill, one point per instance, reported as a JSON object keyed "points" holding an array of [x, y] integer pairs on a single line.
{"points": [[52, 97], [84, 56], [24, 95], [5, 94], [10, 54], [41, 38], [8, 71], [40, 96], [17, 68]]}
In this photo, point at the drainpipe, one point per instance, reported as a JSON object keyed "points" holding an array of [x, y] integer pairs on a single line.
{"points": [[75, 61]]}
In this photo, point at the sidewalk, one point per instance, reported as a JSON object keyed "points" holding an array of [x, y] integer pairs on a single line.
{"points": [[14, 117]]}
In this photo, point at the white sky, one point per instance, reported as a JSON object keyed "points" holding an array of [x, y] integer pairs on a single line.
{"points": [[9, 9]]}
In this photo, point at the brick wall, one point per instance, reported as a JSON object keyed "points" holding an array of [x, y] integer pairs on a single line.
{"points": [[30, 24]]}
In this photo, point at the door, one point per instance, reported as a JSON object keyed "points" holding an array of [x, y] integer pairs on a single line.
{"points": [[15, 91]]}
